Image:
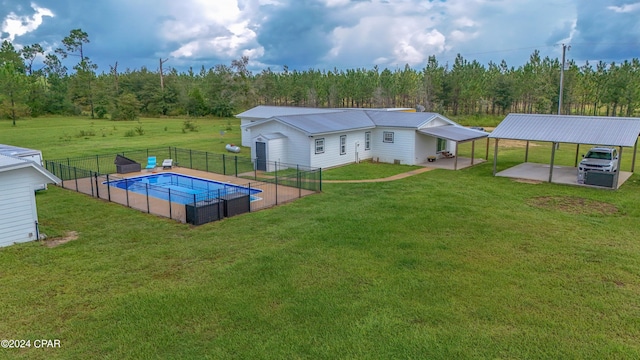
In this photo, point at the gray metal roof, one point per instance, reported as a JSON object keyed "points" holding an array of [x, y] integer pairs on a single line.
{"points": [[265, 112], [401, 119], [609, 131], [8, 163], [314, 124], [454, 133], [16, 150], [339, 120]]}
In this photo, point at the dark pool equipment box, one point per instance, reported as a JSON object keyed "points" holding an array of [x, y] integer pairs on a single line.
{"points": [[124, 165], [236, 204], [203, 212], [600, 178]]}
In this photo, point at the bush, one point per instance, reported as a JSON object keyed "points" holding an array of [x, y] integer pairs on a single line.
{"points": [[86, 133], [189, 125], [101, 111]]}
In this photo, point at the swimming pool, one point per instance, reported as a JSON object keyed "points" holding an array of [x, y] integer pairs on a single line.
{"points": [[180, 188]]}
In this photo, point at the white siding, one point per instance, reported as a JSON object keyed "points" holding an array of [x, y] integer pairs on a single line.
{"points": [[435, 122], [292, 150], [425, 146], [402, 148], [331, 156], [18, 206], [246, 133]]}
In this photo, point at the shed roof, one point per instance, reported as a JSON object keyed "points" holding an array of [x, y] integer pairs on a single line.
{"points": [[454, 133], [8, 163], [16, 150], [600, 130]]}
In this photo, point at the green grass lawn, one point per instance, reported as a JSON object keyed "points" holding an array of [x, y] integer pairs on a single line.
{"points": [[366, 170], [439, 265], [73, 137]]}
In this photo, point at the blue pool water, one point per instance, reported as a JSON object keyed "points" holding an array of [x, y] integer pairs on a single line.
{"points": [[180, 188]]}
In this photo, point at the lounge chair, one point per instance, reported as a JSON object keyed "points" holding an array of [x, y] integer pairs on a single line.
{"points": [[167, 164], [151, 163]]}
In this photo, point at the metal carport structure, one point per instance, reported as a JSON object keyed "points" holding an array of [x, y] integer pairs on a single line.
{"points": [[596, 130], [457, 134]]}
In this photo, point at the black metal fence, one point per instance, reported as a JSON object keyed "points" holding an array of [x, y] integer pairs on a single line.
{"points": [[251, 190]]}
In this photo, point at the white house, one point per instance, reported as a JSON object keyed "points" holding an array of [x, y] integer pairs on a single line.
{"points": [[342, 136], [19, 178]]}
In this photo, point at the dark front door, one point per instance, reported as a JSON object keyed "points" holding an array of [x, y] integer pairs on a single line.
{"points": [[261, 156]]}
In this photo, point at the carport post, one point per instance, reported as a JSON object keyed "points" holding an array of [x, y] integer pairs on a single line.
{"points": [[553, 156], [616, 176], [575, 164], [495, 156], [526, 152], [473, 150], [633, 160], [486, 156], [455, 161]]}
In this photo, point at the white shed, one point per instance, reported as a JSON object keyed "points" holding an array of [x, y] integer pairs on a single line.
{"points": [[23, 153], [19, 178]]}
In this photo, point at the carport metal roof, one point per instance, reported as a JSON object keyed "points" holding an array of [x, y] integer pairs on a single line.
{"points": [[454, 133], [593, 130], [609, 131]]}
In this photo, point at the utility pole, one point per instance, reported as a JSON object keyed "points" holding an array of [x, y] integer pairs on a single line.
{"points": [[162, 74], [564, 50]]}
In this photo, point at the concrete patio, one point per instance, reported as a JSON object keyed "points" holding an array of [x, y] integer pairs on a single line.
{"points": [[561, 174]]}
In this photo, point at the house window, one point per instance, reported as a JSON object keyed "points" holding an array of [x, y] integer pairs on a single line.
{"points": [[343, 144], [387, 136], [367, 140], [442, 144], [320, 146]]}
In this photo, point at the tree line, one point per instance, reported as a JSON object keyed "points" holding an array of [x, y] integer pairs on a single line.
{"points": [[465, 87]]}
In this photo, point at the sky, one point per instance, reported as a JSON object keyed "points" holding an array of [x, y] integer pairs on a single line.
{"points": [[326, 34]]}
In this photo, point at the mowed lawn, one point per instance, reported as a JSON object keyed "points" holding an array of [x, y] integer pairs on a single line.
{"points": [[439, 265]]}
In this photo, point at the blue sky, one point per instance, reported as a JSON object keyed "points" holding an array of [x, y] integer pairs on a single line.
{"points": [[326, 34]]}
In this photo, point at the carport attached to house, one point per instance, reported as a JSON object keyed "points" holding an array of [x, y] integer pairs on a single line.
{"points": [[556, 129], [458, 135]]}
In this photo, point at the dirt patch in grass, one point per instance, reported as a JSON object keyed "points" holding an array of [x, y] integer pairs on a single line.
{"points": [[574, 205], [503, 143], [53, 242], [528, 181]]}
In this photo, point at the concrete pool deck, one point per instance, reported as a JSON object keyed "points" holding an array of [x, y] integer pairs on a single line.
{"points": [[270, 195]]}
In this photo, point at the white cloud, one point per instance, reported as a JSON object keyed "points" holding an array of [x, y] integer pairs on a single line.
{"points": [[206, 28], [334, 3], [464, 22], [15, 25], [626, 8]]}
